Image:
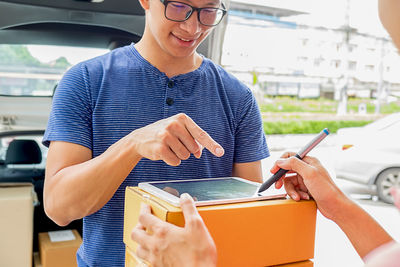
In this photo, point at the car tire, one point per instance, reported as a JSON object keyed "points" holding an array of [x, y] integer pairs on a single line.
{"points": [[385, 180]]}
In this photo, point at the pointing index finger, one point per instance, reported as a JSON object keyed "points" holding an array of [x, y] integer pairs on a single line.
{"points": [[203, 138]]}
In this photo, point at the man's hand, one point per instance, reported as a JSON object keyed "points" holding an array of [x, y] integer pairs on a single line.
{"points": [[173, 139], [164, 244]]}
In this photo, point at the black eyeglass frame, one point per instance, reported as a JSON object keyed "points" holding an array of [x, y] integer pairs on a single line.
{"points": [[198, 9]]}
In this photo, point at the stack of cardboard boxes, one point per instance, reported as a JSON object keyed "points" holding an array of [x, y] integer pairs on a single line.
{"points": [[57, 249], [260, 233]]}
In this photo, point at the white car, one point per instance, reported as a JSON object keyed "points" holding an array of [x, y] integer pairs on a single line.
{"points": [[370, 155]]}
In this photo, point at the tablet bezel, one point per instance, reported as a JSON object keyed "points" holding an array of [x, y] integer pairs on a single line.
{"points": [[174, 200]]}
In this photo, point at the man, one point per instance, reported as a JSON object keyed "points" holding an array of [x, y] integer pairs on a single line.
{"points": [[170, 244], [142, 113]]}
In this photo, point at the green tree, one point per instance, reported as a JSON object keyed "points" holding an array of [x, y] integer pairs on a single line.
{"points": [[17, 55], [62, 62]]}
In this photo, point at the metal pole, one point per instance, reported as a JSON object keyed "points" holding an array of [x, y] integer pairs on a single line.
{"points": [[380, 88], [342, 106]]}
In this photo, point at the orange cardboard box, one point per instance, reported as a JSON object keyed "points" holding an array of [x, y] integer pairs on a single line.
{"points": [[131, 260], [58, 248], [258, 233], [306, 263]]}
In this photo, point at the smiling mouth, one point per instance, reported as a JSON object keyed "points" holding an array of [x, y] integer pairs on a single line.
{"points": [[184, 40]]}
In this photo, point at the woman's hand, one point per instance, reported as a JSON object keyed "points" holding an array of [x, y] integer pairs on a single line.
{"points": [[308, 178]]}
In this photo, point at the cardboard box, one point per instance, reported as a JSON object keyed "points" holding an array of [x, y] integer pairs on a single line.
{"points": [[306, 263], [58, 248], [131, 260], [259, 233], [16, 225]]}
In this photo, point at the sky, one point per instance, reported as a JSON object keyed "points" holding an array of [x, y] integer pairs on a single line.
{"points": [[331, 13]]}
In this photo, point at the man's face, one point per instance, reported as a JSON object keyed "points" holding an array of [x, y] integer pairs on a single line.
{"points": [[178, 39]]}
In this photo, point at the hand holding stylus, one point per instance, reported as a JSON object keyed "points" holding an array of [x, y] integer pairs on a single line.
{"points": [[301, 154]]}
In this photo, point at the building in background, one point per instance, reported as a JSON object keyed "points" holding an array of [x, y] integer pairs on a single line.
{"points": [[292, 48]]}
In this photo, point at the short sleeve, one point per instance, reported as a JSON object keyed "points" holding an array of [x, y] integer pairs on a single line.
{"points": [[250, 141], [70, 117]]}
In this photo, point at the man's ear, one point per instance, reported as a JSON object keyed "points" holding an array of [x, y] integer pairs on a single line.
{"points": [[145, 4]]}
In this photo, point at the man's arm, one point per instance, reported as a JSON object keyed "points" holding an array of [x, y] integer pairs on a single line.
{"points": [[77, 185], [251, 171]]}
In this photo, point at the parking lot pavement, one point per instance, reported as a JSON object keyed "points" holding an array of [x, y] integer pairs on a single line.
{"points": [[332, 248]]}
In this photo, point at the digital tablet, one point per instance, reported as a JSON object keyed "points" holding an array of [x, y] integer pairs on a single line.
{"points": [[210, 191]]}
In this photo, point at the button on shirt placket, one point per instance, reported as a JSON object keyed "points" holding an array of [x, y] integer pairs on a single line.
{"points": [[169, 105]]}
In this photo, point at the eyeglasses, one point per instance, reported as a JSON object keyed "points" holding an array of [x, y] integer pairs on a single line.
{"points": [[207, 16]]}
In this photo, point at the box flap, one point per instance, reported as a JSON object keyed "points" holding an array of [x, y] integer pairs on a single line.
{"points": [[16, 191]]}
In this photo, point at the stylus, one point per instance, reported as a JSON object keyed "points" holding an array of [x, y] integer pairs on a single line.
{"points": [[301, 154]]}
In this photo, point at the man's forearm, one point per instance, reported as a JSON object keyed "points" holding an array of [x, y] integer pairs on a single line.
{"points": [[82, 189], [362, 230]]}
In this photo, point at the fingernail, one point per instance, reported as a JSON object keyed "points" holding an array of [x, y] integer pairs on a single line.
{"points": [[185, 196], [219, 151], [293, 196]]}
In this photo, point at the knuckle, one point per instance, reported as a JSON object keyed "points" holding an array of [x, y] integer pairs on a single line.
{"points": [[313, 173], [163, 150], [292, 160], [172, 126], [181, 116], [202, 134], [155, 250], [140, 251], [161, 232], [164, 135], [141, 218], [196, 222]]}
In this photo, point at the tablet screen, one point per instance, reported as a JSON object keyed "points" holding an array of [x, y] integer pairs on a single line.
{"points": [[213, 189]]}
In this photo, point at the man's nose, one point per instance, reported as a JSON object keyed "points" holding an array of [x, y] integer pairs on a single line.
{"points": [[192, 24]]}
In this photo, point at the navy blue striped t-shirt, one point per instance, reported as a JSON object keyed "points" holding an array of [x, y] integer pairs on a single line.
{"points": [[101, 100]]}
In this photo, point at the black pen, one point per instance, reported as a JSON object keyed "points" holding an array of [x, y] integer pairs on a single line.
{"points": [[300, 155]]}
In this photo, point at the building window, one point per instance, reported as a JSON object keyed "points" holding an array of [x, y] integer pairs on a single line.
{"points": [[352, 65], [369, 67], [335, 64]]}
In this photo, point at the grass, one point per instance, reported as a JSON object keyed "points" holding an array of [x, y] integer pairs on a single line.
{"points": [[289, 115], [305, 127], [291, 104]]}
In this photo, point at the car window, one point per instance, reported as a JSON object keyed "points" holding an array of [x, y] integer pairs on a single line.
{"points": [[34, 70], [5, 142]]}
